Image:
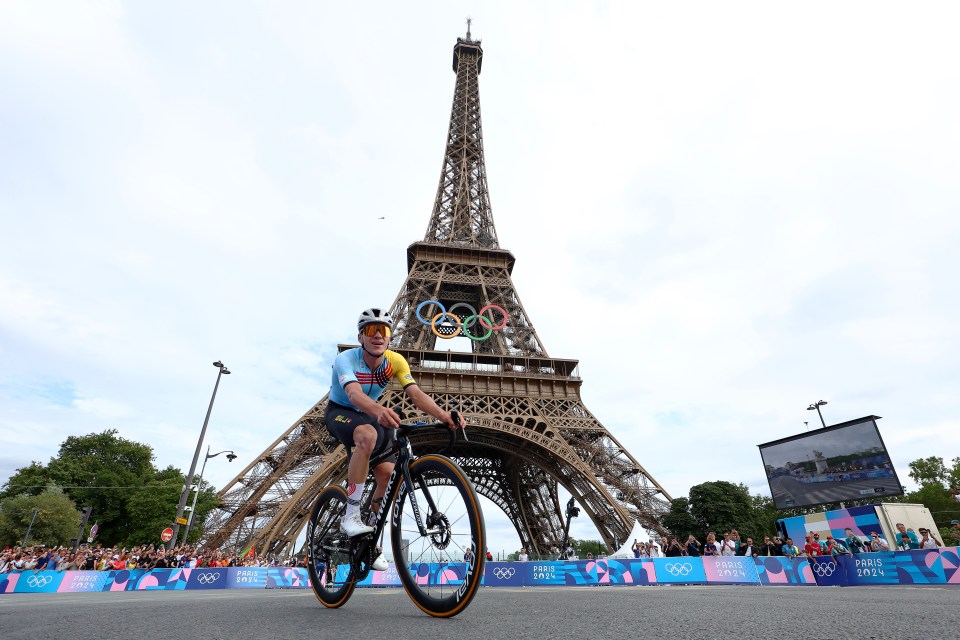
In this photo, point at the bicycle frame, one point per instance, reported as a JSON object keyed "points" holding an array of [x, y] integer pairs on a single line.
{"points": [[401, 470]]}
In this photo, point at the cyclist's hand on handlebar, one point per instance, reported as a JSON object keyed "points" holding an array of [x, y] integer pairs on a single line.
{"points": [[454, 420], [387, 418]]}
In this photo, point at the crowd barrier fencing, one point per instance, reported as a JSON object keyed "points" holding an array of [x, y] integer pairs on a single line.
{"points": [[931, 566]]}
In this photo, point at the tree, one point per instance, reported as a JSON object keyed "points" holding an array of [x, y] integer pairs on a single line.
{"points": [[31, 480], [101, 470], [113, 476], [721, 506], [57, 521], [680, 521]]}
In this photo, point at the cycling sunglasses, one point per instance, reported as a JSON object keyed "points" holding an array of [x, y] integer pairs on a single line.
{"points": [[373, 329]]}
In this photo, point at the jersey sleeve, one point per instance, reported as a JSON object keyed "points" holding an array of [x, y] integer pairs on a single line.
{"points": [[343, 369], [401, 369]]}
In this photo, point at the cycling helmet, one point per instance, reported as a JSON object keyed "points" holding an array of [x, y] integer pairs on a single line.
{"points": [[374, 316]]}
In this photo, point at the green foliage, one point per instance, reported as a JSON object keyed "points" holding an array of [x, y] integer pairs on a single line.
{"points": [[132, 501], [720, 506], [933, 471], [583, 547], [57, 519], [680, 521], [31, 480]]}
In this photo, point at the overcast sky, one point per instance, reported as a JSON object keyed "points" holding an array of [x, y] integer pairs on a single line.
{"points": [[725, 211]]}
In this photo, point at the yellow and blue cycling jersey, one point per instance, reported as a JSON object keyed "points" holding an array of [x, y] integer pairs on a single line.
{"points": [[350, 367]]}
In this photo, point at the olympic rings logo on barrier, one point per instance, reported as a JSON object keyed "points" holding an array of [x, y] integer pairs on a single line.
{"points": [[682, 569], [208, 578], [39, 581], [451, 325], [824, 569], [504, 573]]}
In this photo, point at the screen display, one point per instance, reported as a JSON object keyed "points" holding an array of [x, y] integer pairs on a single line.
{"points": [[846, 461]]}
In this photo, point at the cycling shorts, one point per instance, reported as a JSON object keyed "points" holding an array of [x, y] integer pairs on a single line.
{"points": [[341, 422]]}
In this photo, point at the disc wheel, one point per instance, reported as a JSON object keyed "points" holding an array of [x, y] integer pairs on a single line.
{"points": [[329, 550], [431, 567]]}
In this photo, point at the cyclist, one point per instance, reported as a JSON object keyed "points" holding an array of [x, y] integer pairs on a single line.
{"points": [[354, 417]]}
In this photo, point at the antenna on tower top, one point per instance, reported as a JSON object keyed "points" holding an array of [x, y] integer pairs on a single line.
{"points": [[469, 20]]}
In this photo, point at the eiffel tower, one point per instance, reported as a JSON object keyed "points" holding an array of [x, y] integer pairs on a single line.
{"points": [[529, 430]]}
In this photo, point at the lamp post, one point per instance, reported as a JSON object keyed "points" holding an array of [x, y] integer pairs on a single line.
{"points": [[231, 456], [816, 405], [196, 456]]}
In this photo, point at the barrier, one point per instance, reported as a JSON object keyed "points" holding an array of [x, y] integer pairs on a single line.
{"points": [[931, 566]]}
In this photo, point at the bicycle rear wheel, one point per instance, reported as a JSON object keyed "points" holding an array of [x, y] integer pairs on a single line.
{"points": [[329, 550], [431, 566]]}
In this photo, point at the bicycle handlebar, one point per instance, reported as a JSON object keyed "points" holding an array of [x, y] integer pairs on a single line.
{"points": [[405, 430]]}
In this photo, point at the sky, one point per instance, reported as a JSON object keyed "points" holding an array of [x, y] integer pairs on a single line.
{"points": [[725, 211]]}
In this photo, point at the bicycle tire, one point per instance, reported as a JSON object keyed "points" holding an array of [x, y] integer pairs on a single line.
{"points": [[459, 523], [329, 561]]}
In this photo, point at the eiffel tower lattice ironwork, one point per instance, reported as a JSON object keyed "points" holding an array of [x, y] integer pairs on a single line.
{"points": [[529, 429]]}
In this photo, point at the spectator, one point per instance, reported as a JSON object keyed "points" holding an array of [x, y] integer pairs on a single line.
{"points": [[735, 537], [711, 547], [636, 548], [748, 549], [955, 531], [789, 549], [769, 547], [822, 543], [674, 550], [906, 538], [727, 546], [468, 554], [853, 541], [812, 548], [836, 547], [523, 555], [489, 555], [653, 550], [693, 546], [927, 541], [878, 543]]}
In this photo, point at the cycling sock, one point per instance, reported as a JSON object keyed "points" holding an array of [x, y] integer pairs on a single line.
{"points": [[354, 493]]}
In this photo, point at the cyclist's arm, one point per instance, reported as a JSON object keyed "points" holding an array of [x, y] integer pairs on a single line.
{"points": [[386, 417], [426, 404]]}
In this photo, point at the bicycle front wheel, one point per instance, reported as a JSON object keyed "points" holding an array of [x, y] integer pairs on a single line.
{"points": [[328, 550], [430, 562]]}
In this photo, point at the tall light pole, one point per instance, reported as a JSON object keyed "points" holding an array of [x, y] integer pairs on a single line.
{"points": [[196, 456], [231, 456], [816, 405]]}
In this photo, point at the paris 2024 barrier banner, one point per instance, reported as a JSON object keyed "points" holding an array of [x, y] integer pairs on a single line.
{"points": [[934, 566]]}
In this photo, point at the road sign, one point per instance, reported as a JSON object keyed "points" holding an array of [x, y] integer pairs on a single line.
{"points": [[181, 521], [167, 535]]}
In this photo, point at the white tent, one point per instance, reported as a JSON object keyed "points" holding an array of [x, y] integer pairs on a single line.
{"points": [[626, 551]]}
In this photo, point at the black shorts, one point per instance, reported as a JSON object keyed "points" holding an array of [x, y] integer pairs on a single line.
{"points": [[341, 422]]}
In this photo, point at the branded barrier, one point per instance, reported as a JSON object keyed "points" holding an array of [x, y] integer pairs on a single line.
{"points": [[933, 566]]}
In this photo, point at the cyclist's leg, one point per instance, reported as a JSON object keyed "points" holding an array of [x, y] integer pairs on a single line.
{"points": [[357, 430], [381, 473]]}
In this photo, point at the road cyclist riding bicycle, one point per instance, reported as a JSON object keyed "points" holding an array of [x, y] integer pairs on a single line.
{"points": [[353, 416]]}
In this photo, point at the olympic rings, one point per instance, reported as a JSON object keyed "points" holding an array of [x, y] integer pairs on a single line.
{"points": [[451, 324], [443, 323]]}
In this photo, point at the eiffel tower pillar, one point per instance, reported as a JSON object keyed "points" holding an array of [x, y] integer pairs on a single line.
{"points": [[530, 432]]}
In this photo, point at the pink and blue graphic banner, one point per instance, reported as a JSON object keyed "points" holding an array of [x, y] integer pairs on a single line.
{"points": [[935, 566]]}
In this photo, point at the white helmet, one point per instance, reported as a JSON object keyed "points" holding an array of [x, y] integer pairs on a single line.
{"points": [[374, 316]]}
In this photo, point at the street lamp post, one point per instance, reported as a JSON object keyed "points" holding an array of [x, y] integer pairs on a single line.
{"points": [[231, 456], [816, 405], [196, 456]]}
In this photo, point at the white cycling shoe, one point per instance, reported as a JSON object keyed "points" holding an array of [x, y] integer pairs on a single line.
{"points": [[380, 564], [353, 525]]}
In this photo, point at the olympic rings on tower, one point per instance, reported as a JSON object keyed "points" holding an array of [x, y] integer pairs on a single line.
{"points": [[451, 325]]}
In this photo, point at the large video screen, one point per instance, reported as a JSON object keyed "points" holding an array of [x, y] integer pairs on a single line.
{"points": [[846, 461]]}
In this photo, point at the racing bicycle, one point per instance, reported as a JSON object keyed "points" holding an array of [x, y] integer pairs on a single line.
{"points": [[435, 517]]}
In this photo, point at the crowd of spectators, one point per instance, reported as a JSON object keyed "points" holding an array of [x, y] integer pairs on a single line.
{"points": [[732, 544], [99, 558]]}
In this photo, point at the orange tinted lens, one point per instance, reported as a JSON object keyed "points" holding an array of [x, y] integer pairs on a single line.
{"points": [[373, 329]]}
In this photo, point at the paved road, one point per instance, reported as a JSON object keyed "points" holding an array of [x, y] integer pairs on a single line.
{"points": [[623, 613]]}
